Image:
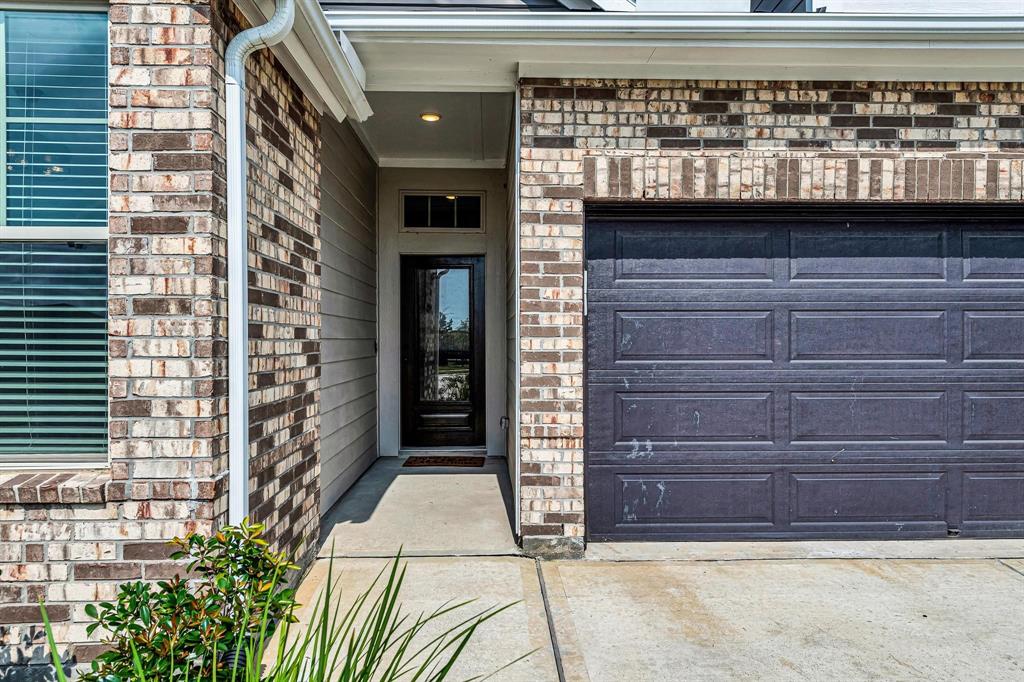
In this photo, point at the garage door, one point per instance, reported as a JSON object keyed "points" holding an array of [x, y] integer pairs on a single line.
{"points": [[786, 373]]}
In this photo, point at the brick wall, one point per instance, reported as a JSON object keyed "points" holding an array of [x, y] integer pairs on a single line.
{"points": [[694, 141], [283, 135], [70, 538]]}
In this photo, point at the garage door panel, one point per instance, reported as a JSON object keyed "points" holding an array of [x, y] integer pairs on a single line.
{"points": [[994, 255], [993, 496], [841, 254], [649, 256], [869, 417], [868, 335], [697, 499], [689, 417], [723, 254], [804, 376], [993, 416], [692, 335], [994, 335], [704, 502], [693, 502], [637, 336], [831, 255], [891, 498]]}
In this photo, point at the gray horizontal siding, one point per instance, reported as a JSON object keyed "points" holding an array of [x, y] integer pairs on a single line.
{"points": [[348, 392]]}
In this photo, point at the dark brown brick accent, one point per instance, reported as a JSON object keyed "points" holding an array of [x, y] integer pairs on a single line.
{"points": [[166, 224], [107, 570], [29, 613]]}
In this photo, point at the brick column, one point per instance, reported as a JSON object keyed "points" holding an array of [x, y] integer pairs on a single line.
{"points": [[551, 329], [167, 273]]}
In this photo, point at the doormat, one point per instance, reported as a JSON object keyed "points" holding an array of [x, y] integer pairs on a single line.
{"points": [[443, 461]]}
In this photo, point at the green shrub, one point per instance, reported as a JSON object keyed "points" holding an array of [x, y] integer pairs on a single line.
{"points": [[186, 627]]}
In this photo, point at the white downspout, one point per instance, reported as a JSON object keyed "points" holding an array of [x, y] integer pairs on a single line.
{"points": [[240, 47]]}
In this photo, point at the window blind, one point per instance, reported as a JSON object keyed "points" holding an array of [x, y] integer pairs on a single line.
{"points": [[53, 348], [55, 113], [53, 292]]}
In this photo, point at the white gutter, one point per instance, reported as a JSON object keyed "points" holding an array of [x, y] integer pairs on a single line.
{"points": [[514, 24], [240, 47], [321, 60]]}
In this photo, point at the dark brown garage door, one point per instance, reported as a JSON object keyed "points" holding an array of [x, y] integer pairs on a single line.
{"points": [[783, 373]]}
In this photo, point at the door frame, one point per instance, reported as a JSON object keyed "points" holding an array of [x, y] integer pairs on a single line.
{"points": [[477, 265]]}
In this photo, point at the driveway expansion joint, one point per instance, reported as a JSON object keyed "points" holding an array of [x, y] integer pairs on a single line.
{"points": [[1013, 568], [551, 622]]}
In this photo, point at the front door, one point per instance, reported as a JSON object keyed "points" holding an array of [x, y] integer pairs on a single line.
{"points": [[442, 351]]}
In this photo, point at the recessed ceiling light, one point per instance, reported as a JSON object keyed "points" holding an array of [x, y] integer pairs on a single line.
{"points": [[430, 116], [450, 197]]}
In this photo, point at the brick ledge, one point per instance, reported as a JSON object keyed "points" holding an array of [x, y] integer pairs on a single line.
{"points": [[54, 487]]}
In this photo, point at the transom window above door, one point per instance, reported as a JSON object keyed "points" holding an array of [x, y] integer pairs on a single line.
{"points": [[442, 211]]}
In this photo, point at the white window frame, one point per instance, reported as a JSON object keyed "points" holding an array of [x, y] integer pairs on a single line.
{"points": [[68, 460], [43, 233]]}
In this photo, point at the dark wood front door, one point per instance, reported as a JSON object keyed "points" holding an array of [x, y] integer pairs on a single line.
{"points": [[442, 351]]}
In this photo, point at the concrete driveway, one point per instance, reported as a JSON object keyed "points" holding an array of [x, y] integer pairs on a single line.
{"points": [[807, 619], [811, 619], [935, 610]]}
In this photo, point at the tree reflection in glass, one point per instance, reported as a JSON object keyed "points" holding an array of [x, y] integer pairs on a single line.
{"points": [[444, 334]]}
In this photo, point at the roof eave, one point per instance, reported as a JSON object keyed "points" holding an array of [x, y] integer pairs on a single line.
{"points": [[489, 51], [667, 23], [320, 59]]}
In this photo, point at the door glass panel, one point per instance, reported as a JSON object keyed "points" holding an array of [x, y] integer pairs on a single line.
{"points": [[444, 334]]}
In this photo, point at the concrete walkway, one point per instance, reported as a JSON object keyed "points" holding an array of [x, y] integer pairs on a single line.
{"points": [[441, 511], [935, 610]]}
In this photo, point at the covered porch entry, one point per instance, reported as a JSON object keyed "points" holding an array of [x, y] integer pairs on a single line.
{"points": [[418, 303]]}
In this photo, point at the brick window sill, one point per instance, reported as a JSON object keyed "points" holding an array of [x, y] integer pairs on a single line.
{"points": [[55, 487]]}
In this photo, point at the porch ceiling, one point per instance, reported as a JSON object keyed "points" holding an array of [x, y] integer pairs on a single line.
{"points": [[473, 131]]}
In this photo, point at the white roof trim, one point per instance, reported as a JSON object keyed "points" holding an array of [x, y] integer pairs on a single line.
{"points": [[937, 27], [616, 5], [319, 58], [490, 50]]}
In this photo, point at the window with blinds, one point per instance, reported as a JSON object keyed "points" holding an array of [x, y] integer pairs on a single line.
{"points": [[55, 113], [53, 251], [53, 349]]}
